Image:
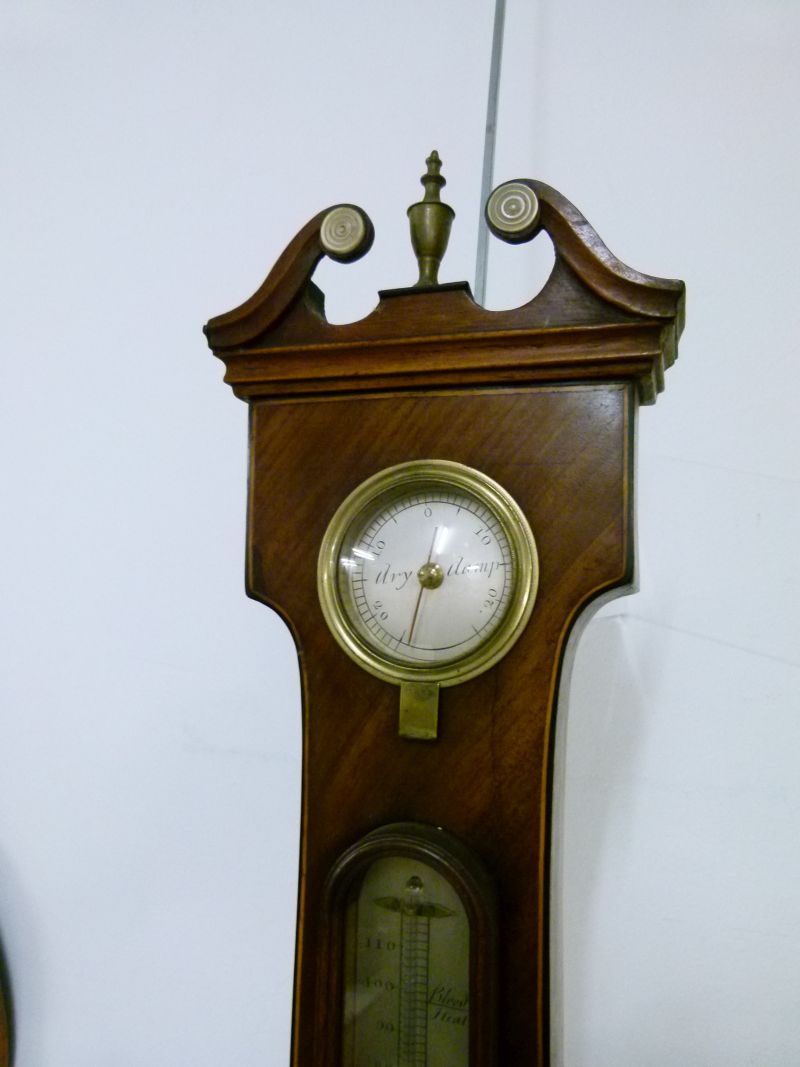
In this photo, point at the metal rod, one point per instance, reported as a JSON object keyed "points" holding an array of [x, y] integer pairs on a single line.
{"points": [[490, 137]]}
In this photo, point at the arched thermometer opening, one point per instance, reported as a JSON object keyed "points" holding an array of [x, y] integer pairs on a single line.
{"points": [[407, 1001]]}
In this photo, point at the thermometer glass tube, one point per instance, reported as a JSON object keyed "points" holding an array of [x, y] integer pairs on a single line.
{"points": [[406, 1000]]}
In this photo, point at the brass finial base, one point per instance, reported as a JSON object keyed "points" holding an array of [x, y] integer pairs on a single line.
{"points": [[430, 224]]}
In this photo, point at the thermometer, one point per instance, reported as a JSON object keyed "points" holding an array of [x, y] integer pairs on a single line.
{"points": [[407, 987]]}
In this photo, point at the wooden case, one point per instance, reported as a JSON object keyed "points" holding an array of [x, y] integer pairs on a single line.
{"points": [[543, 399]]}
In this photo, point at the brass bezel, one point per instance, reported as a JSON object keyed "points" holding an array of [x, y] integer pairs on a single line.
{"points": [[375, 493]]}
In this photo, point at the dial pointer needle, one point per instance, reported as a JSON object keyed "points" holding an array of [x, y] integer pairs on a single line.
{"points": [[421, 589]]}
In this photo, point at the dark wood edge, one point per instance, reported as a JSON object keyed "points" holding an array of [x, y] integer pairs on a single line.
{"points": [[5, 1041], [578, 243], [623, 584], [7, 1034], [637, 352], [287, 279], [467, 875], [575, 242]]}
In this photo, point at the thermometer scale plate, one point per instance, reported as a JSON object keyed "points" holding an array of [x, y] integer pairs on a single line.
{"points": [[412, 910], [408, 987]]}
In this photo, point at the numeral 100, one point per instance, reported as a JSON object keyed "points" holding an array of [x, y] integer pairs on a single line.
{"points": [[379, 943]]}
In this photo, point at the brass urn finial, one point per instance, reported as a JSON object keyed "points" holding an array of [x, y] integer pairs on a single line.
{"points": [[430, 224]]}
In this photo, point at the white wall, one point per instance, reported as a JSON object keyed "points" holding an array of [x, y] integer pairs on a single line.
{"points": [[157, 159], [673, 128]]}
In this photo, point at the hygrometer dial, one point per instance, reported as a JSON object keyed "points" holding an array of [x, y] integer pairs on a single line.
{"points": [[428, 572]]}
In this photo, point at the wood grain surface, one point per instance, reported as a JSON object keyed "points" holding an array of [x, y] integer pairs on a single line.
{"points": [[564, 454]]}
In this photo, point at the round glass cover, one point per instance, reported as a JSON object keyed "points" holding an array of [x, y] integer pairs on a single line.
{"points": [[428, 571]]}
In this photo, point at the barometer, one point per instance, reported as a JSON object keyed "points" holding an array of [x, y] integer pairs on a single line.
{"points": [[438, 494], [427, 575]]}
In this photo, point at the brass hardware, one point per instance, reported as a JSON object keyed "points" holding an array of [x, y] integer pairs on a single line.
{"points": [[512, 212], [419, 710], [430, 224], [430, 575], [392, 660], [346, 233]]}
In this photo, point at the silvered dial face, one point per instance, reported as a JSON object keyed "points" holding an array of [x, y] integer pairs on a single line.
{"points": [[427, 577], [427, 572]]}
